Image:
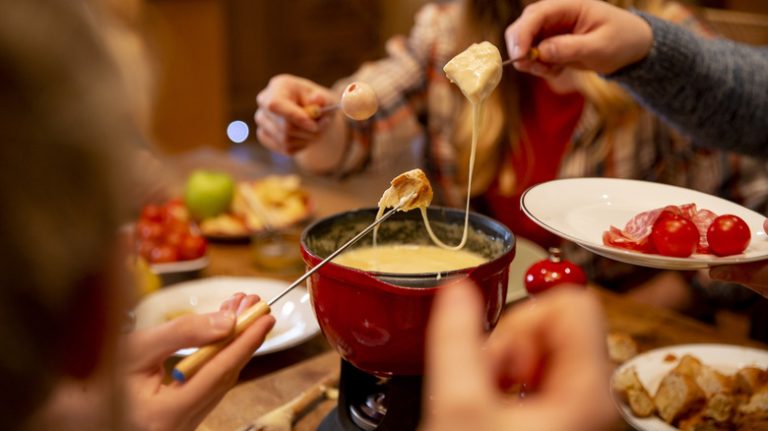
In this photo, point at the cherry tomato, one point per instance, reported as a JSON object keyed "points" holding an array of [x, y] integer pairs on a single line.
{"points": [[673, 235], [552, 271], [154, 213], [728, 234], [174, 238], [145, 248], [192, 247], [163, 254], [177, 211], [149, 230]]}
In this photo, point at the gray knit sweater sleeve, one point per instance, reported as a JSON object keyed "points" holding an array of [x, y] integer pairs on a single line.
{"points": [[715, 91]]}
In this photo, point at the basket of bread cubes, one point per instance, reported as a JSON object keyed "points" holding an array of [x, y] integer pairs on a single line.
{"points": [[691, 394]]}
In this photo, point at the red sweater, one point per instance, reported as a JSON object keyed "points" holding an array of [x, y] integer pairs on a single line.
{"points": [[549, 120]]}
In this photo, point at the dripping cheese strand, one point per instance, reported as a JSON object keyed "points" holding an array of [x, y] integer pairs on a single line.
{"points": [[476, 110]]}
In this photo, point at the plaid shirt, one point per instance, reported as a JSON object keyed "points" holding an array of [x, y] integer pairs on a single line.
{"points": [[417, 100]]}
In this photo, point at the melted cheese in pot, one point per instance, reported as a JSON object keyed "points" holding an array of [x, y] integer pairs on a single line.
{"points": [[408, 259]]}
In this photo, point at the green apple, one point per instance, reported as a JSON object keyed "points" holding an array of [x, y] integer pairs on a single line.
{"points": [[208, 193]]}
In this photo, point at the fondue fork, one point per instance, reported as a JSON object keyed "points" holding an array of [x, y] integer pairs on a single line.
{"points": [[532, 54], [315, 111], [188, 366]]}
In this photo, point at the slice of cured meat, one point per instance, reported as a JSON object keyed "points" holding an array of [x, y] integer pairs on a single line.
{"points": [[636, 233]]}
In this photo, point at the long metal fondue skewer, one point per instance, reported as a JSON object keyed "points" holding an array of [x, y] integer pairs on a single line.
{"points": [[532, 54], [188, 366]]}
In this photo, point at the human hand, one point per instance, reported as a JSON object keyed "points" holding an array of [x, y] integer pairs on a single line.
{"points": [[586, 34], [753, 275], [554, 344], [152, 404], [283, 123]]}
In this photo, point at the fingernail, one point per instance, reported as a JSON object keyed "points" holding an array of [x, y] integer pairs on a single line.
{"points": [[223, 320]]}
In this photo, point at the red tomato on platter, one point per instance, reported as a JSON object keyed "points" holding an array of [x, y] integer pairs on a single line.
{"points": [[163, 254], [165, 233], [153, 213], [149, 230], [674, 235], [177, 211], [145, 248], [728, 234], [174, 237], [192, 247]]}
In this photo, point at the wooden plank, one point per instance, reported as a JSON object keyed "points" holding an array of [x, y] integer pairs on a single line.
{"points": [[249, 400]]}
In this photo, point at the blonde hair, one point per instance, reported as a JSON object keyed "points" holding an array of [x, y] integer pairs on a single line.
{"points": [[501, 127]]}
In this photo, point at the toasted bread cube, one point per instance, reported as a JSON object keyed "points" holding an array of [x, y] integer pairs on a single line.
{"points": [[640, 402], [688, 366], [720, 407], [748, 379], [621, 347], [757, 406], [713, 382], [677, 395], [625, 380]]}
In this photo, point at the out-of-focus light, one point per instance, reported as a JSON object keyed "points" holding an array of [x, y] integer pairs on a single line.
{"points": [[237, 131]]}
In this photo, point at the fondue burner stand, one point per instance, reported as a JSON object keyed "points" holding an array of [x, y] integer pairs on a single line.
{"points": [[368, 403]]}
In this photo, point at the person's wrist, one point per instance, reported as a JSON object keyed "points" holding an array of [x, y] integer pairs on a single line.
{"points": [[643, 39]]}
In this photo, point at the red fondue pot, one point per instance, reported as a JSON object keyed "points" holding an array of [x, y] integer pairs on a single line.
{"points": [[377, 321]]}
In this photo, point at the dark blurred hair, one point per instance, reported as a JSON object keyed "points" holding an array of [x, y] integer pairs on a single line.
{"points": [[64, 127]]}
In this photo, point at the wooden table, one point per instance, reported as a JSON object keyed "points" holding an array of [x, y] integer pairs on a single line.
{"points": [[271, 380]]}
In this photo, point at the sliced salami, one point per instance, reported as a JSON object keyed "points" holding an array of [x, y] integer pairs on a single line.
{"points": [[636, 233]]}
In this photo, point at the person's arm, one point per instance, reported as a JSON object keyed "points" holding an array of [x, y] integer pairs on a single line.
{"points": [[715, 91]]}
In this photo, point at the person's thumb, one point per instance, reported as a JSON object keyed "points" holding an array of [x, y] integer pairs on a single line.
{"points": [[562, 49]]}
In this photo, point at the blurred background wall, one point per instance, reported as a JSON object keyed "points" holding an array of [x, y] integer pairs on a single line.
{"points": [[213, 56]]}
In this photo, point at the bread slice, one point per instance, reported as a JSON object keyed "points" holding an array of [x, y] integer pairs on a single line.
{"points": [[688, 366], [748, 379], [720, 407], [677, 395], [713, 382], [621, 347], [412, 185], [640, 402], [757, 406], [631, 390]]}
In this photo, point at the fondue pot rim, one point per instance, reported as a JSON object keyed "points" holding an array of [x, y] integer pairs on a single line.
{"points": [[447, 275]]}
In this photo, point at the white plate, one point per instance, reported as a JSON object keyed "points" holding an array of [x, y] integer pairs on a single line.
{"points": [[180, 266], [526, 254], [651, 368], [295, 320], [581, 209]]}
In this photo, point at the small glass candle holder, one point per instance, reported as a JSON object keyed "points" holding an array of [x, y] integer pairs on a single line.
{"points": [[278, 251]]}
